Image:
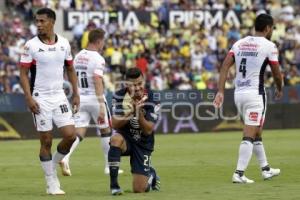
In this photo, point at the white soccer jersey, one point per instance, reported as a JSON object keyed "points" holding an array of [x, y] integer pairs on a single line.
{"points": [[46, 63], [252, 55], [87, 65]]}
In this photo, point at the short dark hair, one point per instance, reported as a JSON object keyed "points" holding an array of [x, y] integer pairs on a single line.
{"points": [[96, 34], [262, 21], [133, 73], [47, 11]]}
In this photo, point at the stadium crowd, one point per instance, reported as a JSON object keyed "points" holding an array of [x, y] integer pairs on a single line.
{"points": [[180, 58]]}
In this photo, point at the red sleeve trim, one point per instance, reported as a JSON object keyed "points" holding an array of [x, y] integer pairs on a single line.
{"points": [[68, 62], [273, 62], [231, 53]]}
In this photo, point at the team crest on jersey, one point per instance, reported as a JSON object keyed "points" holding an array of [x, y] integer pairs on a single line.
{"points": [[41, 50], [253, 116], [62, 48]]}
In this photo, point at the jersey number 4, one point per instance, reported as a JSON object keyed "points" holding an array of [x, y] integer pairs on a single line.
{"points": [[82, 78], [243, 67]]}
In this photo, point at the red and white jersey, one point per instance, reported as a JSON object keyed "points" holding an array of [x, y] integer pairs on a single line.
{"points": [[46, 63], [87, 65], [252, 55]]}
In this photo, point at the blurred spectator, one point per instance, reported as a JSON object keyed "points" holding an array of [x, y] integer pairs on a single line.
{"points": [[180, 58]]}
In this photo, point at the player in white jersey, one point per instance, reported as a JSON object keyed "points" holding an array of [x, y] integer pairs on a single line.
{"points": [[251, 55], [90, 66], [45, 56]]}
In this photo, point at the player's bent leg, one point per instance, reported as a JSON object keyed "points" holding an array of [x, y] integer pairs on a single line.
{"points": [[64, 163], [105, 134], [63, 148], [53, 185], [117, 146], [140, 183], [266, 171], [245, 154]]}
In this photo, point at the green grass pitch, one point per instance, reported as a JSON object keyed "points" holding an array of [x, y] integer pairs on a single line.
{"points": [[191, 166]]}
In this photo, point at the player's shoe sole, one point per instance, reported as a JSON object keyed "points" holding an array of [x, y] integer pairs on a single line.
{"points": [[65, 169], [267, 175]]}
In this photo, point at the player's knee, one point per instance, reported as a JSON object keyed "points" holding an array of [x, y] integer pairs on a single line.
{"points": [[70, 137], [140, 189], [116, 140]]}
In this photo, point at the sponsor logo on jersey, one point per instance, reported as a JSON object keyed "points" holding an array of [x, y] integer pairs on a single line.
{"points": [[253, 116], [134, 123], [25, 54], [41, 50], [244, 83], [62, 48], [248, 53], [52, 49]]}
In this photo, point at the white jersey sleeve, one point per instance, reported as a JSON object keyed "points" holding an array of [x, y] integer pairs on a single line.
{"points": [[99, 67], [69, 57], [273, 53], [26, 57]]}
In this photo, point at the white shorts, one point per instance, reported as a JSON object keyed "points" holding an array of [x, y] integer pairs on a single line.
{"points": [[251, 107], [90, 109], [53, 108]]}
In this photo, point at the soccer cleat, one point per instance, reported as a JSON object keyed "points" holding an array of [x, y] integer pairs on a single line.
{"points": [[269, 174], [236, 178], [156, 184], [55, 191], [53, 187], [65, 168], [106, 171], [116, 191], [56, 180]]}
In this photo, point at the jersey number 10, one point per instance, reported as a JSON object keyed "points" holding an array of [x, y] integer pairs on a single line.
{"points": [[243, 67], [82, 79]]}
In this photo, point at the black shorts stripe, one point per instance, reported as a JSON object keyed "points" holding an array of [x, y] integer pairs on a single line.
{"points": [[32, 77], [264, 102], [108, 113], [34, 119]]}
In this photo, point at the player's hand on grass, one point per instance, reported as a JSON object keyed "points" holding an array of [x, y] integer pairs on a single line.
{"points": [[278, 94], [33, 106], [219, 99], [75, 103]]}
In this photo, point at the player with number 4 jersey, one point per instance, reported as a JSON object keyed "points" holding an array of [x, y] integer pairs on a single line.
{"points": [[251, 55]]}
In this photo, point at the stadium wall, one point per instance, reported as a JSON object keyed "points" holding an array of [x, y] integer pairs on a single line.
{"points": [[181, 112]]}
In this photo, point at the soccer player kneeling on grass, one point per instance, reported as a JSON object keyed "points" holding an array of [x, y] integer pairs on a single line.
{"points": [[134, 116], [251, 55]]}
